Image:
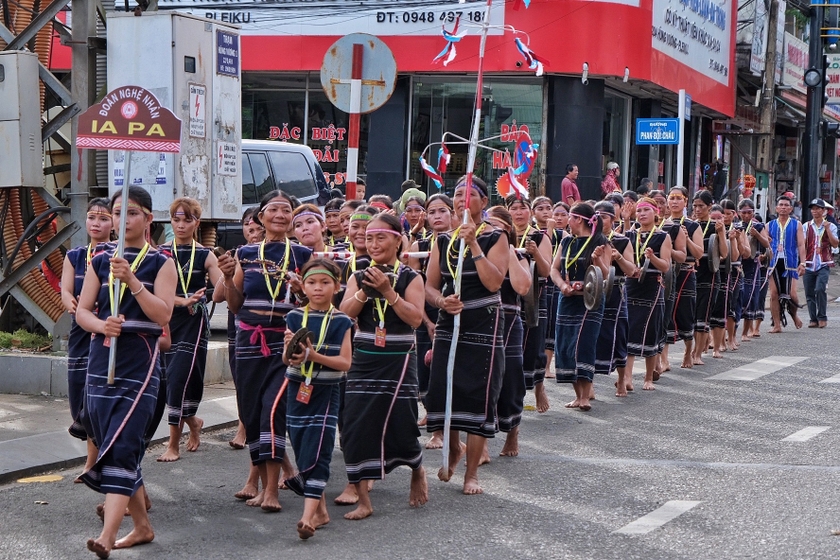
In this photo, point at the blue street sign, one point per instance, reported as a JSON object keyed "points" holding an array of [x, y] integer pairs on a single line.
{"points": [[657, 131]]}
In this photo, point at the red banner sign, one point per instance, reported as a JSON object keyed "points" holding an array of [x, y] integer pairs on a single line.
{"points": [[129, 118]]}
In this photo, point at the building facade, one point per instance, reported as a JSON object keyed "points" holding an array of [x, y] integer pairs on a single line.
{"points": [[607, 64]]}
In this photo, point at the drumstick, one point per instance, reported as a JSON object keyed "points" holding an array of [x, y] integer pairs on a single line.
{"points": [[333, 254]]}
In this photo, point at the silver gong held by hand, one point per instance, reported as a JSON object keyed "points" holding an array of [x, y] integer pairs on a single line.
{"points": [[593, 287], [669, 278], [608, 284], [713, 253], [727, 262]]}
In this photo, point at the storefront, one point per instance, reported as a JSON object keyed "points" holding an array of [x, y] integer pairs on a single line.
{"points": [[604, 71]]}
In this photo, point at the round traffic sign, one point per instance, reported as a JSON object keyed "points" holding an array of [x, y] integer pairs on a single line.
{"points": [[378, 72]]}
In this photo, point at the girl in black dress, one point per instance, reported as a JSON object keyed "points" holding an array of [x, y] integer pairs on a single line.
{"points": [[380, 410], [185, 361], [578, 327], [645, 298], [119, 412], [680, 322], [708, 282], [98, 225]]}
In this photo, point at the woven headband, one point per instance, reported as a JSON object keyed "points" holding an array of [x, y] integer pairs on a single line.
{"points": [[308, 213], [591, 221], [133, 205], [383, 230], [648, 204], [182, 213], [319, 271], [365, 217]]}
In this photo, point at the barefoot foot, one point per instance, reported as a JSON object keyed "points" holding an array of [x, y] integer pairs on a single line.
{"points": [[471, 487], [98, 548], [359, 513], [511, 447], [419, 493], [256, 501], [248, 492], [136, 537], [542, 397], [348, 497], [648, 386], [436, 442], [454, 458], [169, 456], [305, 530], [195, 434], [270, 504]]}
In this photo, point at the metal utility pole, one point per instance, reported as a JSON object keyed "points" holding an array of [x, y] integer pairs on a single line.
{"points": [[83, 89], [812, 148], [767, 114]]}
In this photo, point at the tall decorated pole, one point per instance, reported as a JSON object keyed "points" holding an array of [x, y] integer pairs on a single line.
{"points": [[456, 323], [128, 118]]}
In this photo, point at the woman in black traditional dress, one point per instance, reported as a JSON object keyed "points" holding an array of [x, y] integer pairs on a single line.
{"points": [[560, 217], [98, 225], [336, 236], [611, 349], [708, 282], [727, 309], [479, 352], [359, 260], [680, 321], [518, 281], [261, 286], [537, 247], [678, 255], [184, 363], [119, 412], [750, 263], [545, 222], [577, 326], [645, 297], [439, 210], [309, 227], [380, 408]]}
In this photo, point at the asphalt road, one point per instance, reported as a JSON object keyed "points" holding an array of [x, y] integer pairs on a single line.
{"points": [[707, 457]]}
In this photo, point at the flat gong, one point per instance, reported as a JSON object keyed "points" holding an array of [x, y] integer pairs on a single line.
{"points": [[593, 287], [608, 284], [714, 253]]}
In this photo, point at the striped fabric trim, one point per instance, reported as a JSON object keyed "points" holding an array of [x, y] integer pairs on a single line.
{"points": [[362, 336], [495, 299]]}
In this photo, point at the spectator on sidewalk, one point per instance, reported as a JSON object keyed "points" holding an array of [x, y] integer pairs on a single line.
{"points": [[568, 188]]}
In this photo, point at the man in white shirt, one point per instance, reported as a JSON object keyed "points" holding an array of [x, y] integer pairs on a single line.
{"points": [[820, 238]]}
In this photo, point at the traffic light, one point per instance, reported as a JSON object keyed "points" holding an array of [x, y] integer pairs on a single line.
{"points": [[831, 129]]}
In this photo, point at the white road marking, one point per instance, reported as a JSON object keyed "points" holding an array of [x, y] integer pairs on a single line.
{"points": [[806, 433], [832, 379], [760, 368], [657, 518]]}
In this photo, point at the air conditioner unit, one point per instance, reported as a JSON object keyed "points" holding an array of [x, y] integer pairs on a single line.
{"points": [[21, 153]]}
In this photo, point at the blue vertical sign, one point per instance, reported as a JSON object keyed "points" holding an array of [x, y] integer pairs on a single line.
{"points": [[657, 131], [227, 53]]}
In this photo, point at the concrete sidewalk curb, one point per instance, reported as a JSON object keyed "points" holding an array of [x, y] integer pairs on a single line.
{"points": [[36, 454]]}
